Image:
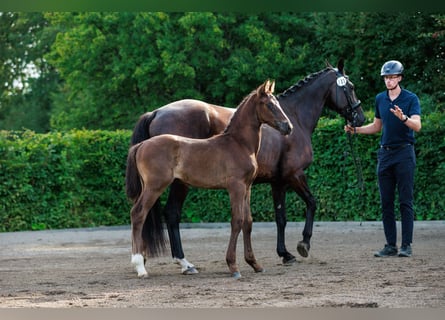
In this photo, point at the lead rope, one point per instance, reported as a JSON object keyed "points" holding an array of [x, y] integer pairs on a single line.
{"points": [[359, 171]]}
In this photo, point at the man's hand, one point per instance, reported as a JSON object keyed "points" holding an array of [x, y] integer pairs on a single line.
{"points": [[398, 112]]}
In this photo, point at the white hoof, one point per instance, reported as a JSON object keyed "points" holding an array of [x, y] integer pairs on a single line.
{"points": [[137, 260]]}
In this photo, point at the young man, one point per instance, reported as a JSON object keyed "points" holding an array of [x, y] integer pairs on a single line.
{"points": [[397, 115]]}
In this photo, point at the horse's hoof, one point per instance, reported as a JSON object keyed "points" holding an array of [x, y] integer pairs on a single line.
{"points": [[303, 249], [261, 270], [236, 275], [289, 260], [137, 260], [190, 270]]}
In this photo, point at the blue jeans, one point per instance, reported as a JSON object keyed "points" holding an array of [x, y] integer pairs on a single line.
{"points": [[396, 168]]}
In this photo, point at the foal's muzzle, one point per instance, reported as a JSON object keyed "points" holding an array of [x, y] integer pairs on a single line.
{"points": [[284, 127]]}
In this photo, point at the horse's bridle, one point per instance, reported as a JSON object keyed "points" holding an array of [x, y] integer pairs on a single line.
{"points": [[351, 108]]}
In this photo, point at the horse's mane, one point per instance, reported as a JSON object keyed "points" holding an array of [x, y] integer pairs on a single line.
{"points": [[303, 82]]}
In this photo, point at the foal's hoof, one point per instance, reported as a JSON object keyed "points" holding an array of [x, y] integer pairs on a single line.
{"points": [[236, 275], [303, 249], [190, 270], [137, 260]]}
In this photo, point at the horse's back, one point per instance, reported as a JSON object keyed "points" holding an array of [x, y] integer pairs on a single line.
{"points": [[190, 118]]}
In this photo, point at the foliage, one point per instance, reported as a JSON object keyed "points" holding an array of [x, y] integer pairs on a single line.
{"points": [[60, 180], [27, 81], [134, 62], [76, 179], [101, 70]]}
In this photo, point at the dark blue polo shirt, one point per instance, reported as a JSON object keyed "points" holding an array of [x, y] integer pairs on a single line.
{"points": [[394, 131]]}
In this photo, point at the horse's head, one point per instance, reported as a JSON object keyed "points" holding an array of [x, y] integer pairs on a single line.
{"points": [[342, 97], [269, 110]]}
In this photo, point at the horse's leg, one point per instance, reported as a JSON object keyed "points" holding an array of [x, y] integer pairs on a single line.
{"points": [[173, 208], [279, 200], [247, 231], [139, 213], [237, 203], [300, 185]]}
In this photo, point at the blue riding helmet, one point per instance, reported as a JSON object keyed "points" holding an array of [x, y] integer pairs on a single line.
{"points": [[391, 67]]}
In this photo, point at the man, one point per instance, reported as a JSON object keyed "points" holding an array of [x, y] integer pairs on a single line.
{"points": [[397, 115]]}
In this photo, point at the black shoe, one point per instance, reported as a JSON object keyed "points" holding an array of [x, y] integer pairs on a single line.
{"points": [[405, 251], [387, 251]]}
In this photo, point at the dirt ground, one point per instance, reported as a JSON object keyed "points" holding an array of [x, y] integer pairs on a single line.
{"points": [[91, 268]]}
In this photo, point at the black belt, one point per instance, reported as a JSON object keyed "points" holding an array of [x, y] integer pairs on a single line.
{"points": [[395, 147]]}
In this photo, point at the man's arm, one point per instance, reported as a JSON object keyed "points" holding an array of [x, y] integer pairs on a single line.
{"points": [[374, 127]]}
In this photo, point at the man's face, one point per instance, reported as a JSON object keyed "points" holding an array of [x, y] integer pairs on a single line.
{"points": [[392, 81]]}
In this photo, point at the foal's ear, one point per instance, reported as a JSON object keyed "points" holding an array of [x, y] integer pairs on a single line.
{"points": [[264, 88]]}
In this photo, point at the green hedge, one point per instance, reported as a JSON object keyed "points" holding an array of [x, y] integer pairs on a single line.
{"points": [[76, 179], [56, 180]]}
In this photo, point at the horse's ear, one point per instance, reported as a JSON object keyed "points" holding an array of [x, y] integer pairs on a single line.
{"points": [[341, 66], [272, 87]]}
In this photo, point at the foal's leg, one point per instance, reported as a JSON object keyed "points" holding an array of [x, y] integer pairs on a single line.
{"points": [[173, 208], [139, 213], [237, 204], [279, 200], [138, 216], [247, 231], [300, 185]]}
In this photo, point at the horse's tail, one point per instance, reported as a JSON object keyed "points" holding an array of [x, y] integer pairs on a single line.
{"points": [[152, 231], [141, 130]]}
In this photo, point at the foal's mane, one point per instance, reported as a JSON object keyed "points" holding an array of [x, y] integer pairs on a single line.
{"points": [[301, 83], [244, 101]]}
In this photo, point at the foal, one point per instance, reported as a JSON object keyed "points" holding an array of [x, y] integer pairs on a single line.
{"points": [[225, 161]]}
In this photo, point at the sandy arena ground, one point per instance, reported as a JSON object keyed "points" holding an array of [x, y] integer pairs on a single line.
{"points": [[91, 268]]}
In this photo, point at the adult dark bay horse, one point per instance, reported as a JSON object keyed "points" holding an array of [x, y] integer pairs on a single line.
{"points": [[224, 161], [281, 160]]}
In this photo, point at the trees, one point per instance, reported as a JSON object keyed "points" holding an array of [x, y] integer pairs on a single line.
{"points": [[369, 39], [119, 65], [26, 79], [101, 70]]}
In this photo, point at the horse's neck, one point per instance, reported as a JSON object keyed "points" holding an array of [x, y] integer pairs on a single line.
{"points": [[305, 104], [244, 127]]}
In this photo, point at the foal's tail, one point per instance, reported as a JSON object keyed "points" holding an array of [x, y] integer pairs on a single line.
{"points": [[152, 231], [133, 184]]}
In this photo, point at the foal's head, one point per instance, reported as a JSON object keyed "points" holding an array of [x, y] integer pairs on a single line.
{"points": [[269, 110]]}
